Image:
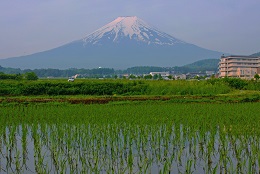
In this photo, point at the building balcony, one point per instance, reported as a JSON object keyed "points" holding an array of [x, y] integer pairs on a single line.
{"points": [[223, 65], [243, 64], [222, 70]]}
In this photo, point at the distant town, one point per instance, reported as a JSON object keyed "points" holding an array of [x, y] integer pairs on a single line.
{"points": [[198, 70], [244, 67]]}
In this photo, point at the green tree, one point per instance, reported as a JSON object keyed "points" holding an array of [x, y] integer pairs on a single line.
{"points": [[132, 76], [156, 76], [160, 77], [148, 76], [196, 77], [256, 76], [31, 76], [18, 76]]}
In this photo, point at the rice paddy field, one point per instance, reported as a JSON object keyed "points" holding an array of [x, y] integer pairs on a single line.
{"points": [[130, 137]]}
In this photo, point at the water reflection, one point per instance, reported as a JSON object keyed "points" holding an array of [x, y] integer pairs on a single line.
{"points": [[113, 148]]}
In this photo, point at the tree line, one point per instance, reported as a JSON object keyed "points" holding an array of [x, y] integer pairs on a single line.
{"points": [[110, 72], [27, 76], [95, 72]]}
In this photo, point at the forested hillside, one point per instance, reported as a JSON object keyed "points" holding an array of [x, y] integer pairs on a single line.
{"points": [[199, 66], [256, 54]]}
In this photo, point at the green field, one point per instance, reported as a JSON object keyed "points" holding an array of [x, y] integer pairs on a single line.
{"points": [[130, 137], [125, 126]]}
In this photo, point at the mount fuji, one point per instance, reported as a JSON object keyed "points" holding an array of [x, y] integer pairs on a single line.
{"points": [[122, 43]]}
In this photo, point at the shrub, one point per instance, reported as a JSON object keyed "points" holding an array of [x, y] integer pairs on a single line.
{"points": [[235, 82], [31, 76]]}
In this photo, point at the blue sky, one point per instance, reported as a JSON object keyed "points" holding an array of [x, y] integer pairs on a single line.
{"points": [[31, 26]]}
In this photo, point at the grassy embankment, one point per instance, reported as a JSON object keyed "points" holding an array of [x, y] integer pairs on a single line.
{"points": [[104, 91]]}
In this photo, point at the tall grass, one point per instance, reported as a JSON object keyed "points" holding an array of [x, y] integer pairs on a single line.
{"points": [[183, 87], [112, 87]]}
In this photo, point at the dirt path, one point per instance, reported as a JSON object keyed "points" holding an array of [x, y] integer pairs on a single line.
{"points": [[107, 99]]}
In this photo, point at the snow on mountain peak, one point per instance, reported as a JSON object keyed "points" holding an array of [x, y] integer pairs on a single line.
{"points": [[130, 27]]}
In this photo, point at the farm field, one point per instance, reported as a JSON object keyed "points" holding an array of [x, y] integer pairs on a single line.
{"points": [[130, 137], [129, 126]]}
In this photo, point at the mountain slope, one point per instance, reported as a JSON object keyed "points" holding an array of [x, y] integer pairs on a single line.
{"points": [[129, 29], [123, 43], [202, 65], [256, 54]]}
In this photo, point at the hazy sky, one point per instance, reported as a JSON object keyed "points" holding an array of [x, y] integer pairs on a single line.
{"points": [[30, 26]]}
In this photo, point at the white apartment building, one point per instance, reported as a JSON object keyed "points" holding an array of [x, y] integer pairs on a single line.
{"points": [[244, 67]]}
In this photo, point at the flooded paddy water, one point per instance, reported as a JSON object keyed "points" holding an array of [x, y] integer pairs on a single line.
{"points": [[130, 138]]}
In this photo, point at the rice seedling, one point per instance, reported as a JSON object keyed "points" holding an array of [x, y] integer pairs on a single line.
{"points": [[147, 137]]}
